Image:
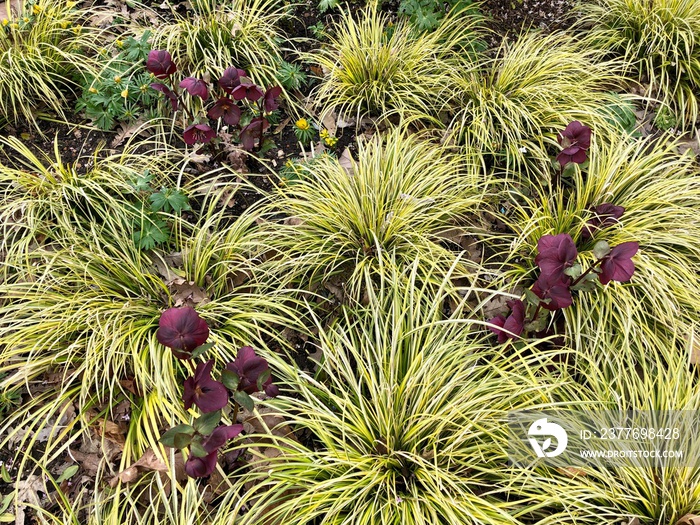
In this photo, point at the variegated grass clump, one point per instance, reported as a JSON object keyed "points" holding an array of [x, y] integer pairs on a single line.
{"points": [[43, 49], [87, 308], [660, 192], [406, 415], [45, 200], [625, 374], [215, 35], [396, 198], [374, 68], [511, 106], [659, 42]]}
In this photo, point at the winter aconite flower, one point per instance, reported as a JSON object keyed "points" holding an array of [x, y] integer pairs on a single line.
{"points": [[249, 368], [556, 290], [204, 392], [195, 87], [575, 140], [160, 63], [605, 216], [198, 133], [555, 253], [302, 123], [513, 325], [227, 109], [182, 330], [618, 265]]}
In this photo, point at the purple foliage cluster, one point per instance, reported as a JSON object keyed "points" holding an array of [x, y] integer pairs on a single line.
{"points": [[185, 333], [557, 254], [236, 87]]}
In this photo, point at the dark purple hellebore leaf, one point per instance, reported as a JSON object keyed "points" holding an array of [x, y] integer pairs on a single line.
{"points": [[200, 467], [605, 216], [556, 290], [195, 87], [226, 108], [201, 390], [512, 326], [182, 330], [271, 103], [171, 95], [160, 63], [555, 253], [231, 79], [248, 367], [574, 140], [198, 133], [220, 436], [252, 131], [247, 90], [618, 265]]}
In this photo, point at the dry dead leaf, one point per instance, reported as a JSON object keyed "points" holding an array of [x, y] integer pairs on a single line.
{"points": [[126, 130], [27, 494], [147, 462], [572, 472], [187, 293], [689, 519], [346, 162], [694, 348], [330, 122]]}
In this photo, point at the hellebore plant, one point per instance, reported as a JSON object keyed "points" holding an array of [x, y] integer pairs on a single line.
{"points": [[575, 141], [560, 275], [185, 333], [236, 89]]}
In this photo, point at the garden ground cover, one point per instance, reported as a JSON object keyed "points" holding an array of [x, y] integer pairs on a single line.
{"points": [[265, 262]]}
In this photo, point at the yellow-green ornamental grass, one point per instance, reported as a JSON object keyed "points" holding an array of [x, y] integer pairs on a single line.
{"points": [[215, 35], [375, 68], [659, 44], [42, 49], [401, 421]]}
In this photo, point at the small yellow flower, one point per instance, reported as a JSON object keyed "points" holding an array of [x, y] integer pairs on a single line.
{"points": [[119, 43], [25, 20], [5, 21], [70, 4], [143, 88], [77, 30], [323, 134], [92, 90], [125, 93], [36, 9], [15, 25], [65, 24], [302, 123], [330, 141], [117, 79]]}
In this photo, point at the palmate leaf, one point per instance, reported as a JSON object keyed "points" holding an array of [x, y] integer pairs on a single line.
{"points": [[152, 233], [169, 200]]}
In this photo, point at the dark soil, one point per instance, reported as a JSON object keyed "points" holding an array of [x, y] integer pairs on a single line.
{"points": [[512, 16]]}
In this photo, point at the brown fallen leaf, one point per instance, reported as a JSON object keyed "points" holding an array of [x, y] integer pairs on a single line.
{"points": [[694, 348], [148, 462], [572, 472], [187, 293], [346, 162], [27, 494], [689, 519], [126, 130]]}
